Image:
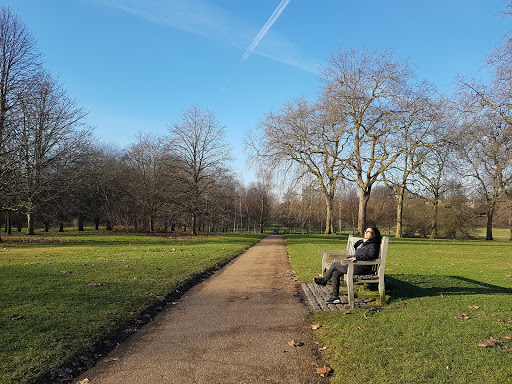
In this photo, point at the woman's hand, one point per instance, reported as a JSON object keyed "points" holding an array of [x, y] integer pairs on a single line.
{"points": [[353, 258]]}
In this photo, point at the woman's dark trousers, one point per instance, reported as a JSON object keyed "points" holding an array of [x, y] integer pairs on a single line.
{"points": [[336, 272]]}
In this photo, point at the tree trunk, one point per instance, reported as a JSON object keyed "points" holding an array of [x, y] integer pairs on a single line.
{"points": [[241, 216], [433, 231], [194, 224], [364, 196], [30, 224], [329, 202], [97, 223], [8, 224], [61, 229], [262, 215], [490, 215], [80, 224], [399, 211], [339, 216]]}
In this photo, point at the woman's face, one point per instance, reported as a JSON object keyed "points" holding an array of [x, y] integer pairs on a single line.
{"points": [[368, 234]]}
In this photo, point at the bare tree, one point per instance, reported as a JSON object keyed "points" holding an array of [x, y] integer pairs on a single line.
{"points": [[221, 200], [112, 185], [259, 197], [486, 131], [486, 148], [421, 121], [306, 138], [19, 61], [146, 159], [199, 145], [48, 133], [69, 186], [365, 86], [432, 180]]}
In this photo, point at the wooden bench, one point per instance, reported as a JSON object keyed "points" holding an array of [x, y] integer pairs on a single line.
{"points": [[378, 269]]}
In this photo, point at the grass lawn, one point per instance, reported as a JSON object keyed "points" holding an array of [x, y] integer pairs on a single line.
{"points": [[445, 297], [66, 296]]}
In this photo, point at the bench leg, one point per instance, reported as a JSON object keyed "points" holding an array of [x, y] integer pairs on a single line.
{"points": [[350, 286], [382, 291]]}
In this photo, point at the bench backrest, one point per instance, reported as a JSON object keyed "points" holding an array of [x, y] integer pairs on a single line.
{"points": [[350, 244]]}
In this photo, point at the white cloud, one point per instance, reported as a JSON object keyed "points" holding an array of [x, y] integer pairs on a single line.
{"points": [[206, 19], [195, 16]]}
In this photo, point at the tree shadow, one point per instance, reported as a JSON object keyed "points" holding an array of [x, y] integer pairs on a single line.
{"points": [[414, 286]]}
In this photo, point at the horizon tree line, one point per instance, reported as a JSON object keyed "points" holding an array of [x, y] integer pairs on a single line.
{"points": [[372, 126]]}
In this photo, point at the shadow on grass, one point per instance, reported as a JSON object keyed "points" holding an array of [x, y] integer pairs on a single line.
{"points": [[116, 239], [414, 286]]}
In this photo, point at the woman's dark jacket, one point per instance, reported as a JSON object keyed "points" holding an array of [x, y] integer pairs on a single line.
{"points": [[366, 250]]}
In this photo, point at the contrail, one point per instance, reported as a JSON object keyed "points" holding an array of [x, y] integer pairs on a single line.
{"points": [[280, 8]]}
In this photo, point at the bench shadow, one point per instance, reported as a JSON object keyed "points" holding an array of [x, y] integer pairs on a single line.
{"points": [[414, 286]]}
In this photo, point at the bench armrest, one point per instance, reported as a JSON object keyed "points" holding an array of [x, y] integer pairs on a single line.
{"points": [[334, 253], [362, 262]]}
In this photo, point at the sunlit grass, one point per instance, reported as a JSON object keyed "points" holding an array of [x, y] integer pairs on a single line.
{"points": [[66, 295], [417, 337]]}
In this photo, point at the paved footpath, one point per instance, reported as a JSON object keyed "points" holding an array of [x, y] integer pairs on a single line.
{"points": [[234, 327]]}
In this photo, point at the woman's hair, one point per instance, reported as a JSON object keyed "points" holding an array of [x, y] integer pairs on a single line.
{"points": [[376, 235]]}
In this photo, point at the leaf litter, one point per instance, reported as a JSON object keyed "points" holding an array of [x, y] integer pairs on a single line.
{"points": [[323, 371], [496, 343], [294, 343]]}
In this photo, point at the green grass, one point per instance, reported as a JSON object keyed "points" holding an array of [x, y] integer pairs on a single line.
{"points": [[416, 337], [51, 282]]}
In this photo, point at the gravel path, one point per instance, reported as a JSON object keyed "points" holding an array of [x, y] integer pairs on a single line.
{"points": [[234, 327]]}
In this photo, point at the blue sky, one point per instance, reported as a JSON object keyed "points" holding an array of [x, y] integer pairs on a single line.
{"points": [[137, 65]]}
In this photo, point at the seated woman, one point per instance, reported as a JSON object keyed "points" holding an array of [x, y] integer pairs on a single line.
{"points": [[366, 249]]}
